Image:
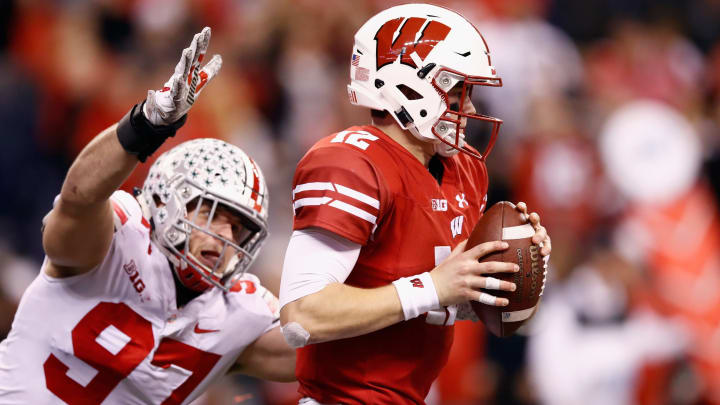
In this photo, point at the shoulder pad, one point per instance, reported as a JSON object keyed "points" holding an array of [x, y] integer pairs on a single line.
{"points": [[126, 209]]}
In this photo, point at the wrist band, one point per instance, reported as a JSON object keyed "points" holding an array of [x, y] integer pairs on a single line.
{"points": [[417, 294], [140, 137]]}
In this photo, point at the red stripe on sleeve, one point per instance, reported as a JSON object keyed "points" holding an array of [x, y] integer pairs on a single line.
{"points": [[119, 212]]}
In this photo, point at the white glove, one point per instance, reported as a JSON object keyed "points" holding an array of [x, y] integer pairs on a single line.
{"points": [[164, 107]]}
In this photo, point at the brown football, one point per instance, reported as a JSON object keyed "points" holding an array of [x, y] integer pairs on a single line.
{"points": [[504, 222]]}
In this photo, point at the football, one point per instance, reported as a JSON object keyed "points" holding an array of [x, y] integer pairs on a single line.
{"points": [[503, 221]]}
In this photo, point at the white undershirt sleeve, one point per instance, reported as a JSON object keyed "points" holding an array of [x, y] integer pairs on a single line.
{"points": [[314, 259]]}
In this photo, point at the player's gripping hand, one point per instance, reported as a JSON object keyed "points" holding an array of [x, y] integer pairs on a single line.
{"points": [[463, 310], [541, 237], [460, 277], [166, 106]]}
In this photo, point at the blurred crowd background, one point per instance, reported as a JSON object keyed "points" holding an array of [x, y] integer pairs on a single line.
{"points": [[611, 132]]}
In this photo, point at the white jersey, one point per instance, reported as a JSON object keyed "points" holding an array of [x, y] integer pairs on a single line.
{"points": [[115, 335]]}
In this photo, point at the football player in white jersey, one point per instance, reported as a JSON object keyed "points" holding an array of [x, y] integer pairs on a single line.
{"points": [[144, 299]]}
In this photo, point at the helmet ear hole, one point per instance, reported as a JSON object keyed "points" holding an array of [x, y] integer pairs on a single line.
{"points": [[157, 200], [409, 93]]}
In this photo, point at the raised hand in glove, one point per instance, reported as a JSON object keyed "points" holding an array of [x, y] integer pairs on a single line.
{"points": [[143, 130], [166, 106]]}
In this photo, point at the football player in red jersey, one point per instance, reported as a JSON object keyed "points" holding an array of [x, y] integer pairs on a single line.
{"points": [[144, 299], [376, 268]]}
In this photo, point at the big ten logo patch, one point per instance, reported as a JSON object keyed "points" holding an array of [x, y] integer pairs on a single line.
{"points": [[134, 276], [439, 204]]}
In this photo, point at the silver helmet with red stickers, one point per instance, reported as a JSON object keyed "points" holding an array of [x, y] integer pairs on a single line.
{"points": [[405, 61], [217, 175]]}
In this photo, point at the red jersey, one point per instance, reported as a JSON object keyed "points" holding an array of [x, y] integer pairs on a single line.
{"points": [[362, 185]]}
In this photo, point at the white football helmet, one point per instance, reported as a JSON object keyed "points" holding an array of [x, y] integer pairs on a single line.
{"points": [[197, 172], [405, 61]]}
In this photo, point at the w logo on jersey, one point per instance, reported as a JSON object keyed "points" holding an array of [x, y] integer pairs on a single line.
{"points": [[416, 35], [456, 225]]}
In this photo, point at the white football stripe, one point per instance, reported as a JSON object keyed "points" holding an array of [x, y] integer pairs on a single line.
{"points": [[354, 210], [518, 232], [358, 196], [312, 186], [311, 201], [517, 316]]}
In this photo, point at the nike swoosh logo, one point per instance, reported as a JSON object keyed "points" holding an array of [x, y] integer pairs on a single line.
{"points": [[466, 54], [198, 330]]}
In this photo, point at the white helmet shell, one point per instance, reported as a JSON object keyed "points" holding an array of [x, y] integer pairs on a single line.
{"points": [[407, 58]]}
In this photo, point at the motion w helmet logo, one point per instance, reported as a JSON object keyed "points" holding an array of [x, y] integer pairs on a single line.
{"points": [[416, 35]]}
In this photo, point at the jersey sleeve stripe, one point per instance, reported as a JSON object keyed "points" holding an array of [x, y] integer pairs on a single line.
{"points": [[119, 213], [360, 213], [311, 201], [312, 186], [339, 188], [358, 196], [354, 211]]}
